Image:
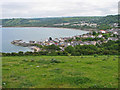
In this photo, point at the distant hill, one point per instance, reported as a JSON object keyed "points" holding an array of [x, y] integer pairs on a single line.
{"points": [[50, 22]]}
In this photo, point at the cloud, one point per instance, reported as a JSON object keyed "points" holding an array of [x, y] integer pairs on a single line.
{"points": [[57, 8]]}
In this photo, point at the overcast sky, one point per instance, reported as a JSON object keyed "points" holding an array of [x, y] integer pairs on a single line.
{"points": [[57, 8]]}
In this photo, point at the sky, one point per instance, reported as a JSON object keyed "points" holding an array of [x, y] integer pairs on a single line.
{"points": [[57, 8]]}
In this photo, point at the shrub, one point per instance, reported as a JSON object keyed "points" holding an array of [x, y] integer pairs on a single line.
{"points": [[54, 61], [114, 59], [89, 62], [95, 55], [104, 59], [25, 60], [32, 60]]}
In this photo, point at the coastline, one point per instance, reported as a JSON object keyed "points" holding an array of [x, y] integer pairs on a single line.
{"points": [[53, 27], [47, 27]]}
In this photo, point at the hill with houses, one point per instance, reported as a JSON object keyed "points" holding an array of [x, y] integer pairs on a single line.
{"points": [[86, 22]]}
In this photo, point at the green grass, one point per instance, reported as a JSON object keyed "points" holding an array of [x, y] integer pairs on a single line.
{"points": [[60, 72]]}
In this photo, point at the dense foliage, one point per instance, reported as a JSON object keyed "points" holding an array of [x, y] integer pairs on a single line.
{"points": [[110, 48]]}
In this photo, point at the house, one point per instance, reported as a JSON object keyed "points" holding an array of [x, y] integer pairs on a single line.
{"points": [[56, 43], [98, 42], [36, 49], [61, 39], [112, 38], [75, 24], [115, 24], [31, 42], [56, 40], [68, 44], [102, 31], [93, 42], [85, 43], [81, 43], [85, 36], [105, 41], [62, 48], [100, 36], [83, 24], [75, 43], [88, 43], [50, 43], [74, 38], [115, 33], [61, 43], [91, 36], [60, 24], [93, 24], [66, 23], [46, 40]]}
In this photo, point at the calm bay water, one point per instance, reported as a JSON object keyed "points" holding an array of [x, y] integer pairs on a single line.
{"points": [[32, 33]]}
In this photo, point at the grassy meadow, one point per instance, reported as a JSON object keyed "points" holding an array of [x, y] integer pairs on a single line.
{"points": [[60, 72]]}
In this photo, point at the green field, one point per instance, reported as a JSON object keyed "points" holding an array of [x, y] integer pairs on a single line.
{"points": [[60, 72]]}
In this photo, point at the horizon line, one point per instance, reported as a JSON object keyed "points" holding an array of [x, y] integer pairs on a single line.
{"points": [[56, 17]]}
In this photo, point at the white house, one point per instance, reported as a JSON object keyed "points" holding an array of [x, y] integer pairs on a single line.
{"points": [[112, 38], [99, 36], [102, 31], [69, 44], [85, 36], [115, 33]]}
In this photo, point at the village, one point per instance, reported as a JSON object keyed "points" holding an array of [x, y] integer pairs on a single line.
{"points": [[83, 23], [91, 38]]}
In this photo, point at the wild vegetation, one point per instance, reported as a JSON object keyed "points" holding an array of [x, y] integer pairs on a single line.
{"points": [[60, 71]]}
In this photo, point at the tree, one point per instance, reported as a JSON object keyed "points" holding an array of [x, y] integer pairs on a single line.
{"points": [[38, 45], [69, 49], [14, 54], [20, 53], [28, 53], [50, 38], [94, 33], [52, 47], [77, 38], [106, 36]]}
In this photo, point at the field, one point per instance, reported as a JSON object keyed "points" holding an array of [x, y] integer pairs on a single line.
{"points": [[60, 72]]}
